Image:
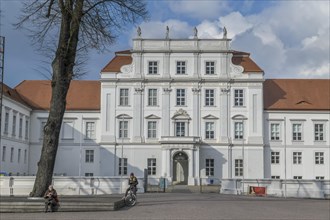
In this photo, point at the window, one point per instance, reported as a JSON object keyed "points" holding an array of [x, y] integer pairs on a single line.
{"points": [[89, 174], [122, 166], [152, 67], [67, 130], [123, 99], [209, 167], [19, 155], [238, 130], [90, 130], [6, 123], [209, 97], [297, 157], [123, 129], [297, 177], [25, 156], [210, 68], [319, 158], [89, 156], [319, 177], [275, 131], [239, 167], [26, 129], [152, 97], [275, 177], [296, 132], [180, 67], [152, 129], [20, 129], [11, 154], [14, 126], [275, 157], [152, 166], [209, 130], [4, 148], [318, 132], [180, 129], [180, 97], [238, 97]]}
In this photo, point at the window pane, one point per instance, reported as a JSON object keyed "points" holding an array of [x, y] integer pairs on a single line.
{"points": [[180, 97], [238, 97], [153, 67], [210, 68], [180, 67], [180, 129], [123, 99]]}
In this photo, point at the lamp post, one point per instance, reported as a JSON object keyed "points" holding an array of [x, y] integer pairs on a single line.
{"points": [[244, 168], [121, 132], [284, 137]]}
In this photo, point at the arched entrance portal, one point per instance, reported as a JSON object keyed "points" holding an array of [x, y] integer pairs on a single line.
{"points": [[180, 168]]}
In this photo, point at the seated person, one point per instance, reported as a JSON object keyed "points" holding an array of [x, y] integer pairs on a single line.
{"points": [[51, 199]]}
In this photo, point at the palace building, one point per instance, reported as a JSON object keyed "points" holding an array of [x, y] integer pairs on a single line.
{"points": [[183, 109]]}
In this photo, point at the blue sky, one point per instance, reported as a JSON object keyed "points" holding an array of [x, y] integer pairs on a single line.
{"points": [[287, 38]]}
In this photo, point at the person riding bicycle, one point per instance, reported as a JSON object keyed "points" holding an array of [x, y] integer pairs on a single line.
{"points": [[132, 181]]}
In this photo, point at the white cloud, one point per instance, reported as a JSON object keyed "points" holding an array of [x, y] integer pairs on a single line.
{"points": [[235, 24], [288, 39], [208, 29], [203, 9]]}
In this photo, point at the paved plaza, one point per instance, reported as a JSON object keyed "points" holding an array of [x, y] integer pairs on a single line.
{"points": [[199, 206]]}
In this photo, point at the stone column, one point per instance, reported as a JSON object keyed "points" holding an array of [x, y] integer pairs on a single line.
{"points": [[224, 116], [166, 120], [138, 63], [196, 66], [196, 112], [137, 116], [166, 65], [164, 162], [191, 179], [168, 165], [197, 168]]}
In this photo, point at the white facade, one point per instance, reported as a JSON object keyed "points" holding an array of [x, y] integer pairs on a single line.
{"points": [[183, 111], [306, 157], [182, 106]]}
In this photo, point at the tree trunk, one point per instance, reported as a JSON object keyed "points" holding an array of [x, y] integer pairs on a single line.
{"points": [[62, 65]]}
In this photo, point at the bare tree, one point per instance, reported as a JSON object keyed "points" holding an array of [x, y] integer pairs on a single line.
{"points": [[78, 25]]}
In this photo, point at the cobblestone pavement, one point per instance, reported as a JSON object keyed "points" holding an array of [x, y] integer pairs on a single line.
{"points": [[184, 206]]}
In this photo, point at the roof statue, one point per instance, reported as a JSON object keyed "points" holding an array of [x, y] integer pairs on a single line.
{"points": [[195, 32], [224, 33], [138, 31], [167, 33]]}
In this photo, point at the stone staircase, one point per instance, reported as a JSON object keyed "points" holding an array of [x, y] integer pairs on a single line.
{"points": [[67, 204]]}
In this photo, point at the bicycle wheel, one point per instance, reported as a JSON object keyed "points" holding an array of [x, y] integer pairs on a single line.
{"points": [[130, 199]]}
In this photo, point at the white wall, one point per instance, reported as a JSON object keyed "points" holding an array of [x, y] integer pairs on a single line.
{"points": [[18, 141], [308, 146]]}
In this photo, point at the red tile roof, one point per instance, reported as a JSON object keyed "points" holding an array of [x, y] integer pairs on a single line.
{"points": [[82, 95], [243, 59], [297, 94], [12, 94], [122, 58]]}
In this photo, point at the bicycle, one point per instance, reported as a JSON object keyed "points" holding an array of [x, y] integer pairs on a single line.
{"points": [[130, 199]]}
